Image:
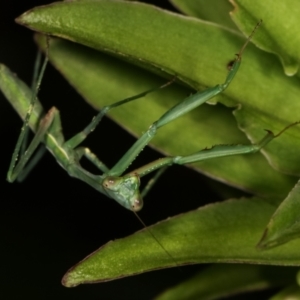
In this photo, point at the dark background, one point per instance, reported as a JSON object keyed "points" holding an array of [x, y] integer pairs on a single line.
{"points": [[51, 221]]}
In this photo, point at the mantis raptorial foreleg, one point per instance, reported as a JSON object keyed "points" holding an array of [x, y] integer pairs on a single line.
{"points": [[15, 170]]}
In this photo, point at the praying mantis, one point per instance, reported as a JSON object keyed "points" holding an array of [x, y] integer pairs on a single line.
{"points": [[112, 182], [235, 82], [124, 189]]}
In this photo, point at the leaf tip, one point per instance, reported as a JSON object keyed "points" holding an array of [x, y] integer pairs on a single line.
{"points": [[68, 280], [23, 19], [263, 243], [19, 20]]}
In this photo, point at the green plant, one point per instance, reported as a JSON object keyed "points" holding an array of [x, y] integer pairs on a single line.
{"points": [[223, 232]]}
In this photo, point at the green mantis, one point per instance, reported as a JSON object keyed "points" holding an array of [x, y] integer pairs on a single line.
{"points": [[112, 182]]}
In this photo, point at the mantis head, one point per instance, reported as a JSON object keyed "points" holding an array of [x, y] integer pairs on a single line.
{"points": [[125, 190]]}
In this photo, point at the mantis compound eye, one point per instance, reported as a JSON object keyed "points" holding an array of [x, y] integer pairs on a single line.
{"points": [[137, 204]]}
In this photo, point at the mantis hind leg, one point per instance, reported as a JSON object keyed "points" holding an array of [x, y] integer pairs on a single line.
{"points": [[32, 163], [17, 166]]}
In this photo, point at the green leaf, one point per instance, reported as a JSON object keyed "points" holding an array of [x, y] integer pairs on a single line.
{"points": [[222, 232], [291, 292], [100, 78], [278, 34], [196, 52], [214, 10], [218, 281], [285, 223]]}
